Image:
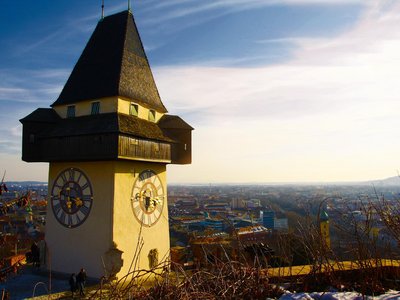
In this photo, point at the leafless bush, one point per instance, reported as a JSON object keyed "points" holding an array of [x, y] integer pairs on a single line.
{"points": [[229, 280], [236, 277]]}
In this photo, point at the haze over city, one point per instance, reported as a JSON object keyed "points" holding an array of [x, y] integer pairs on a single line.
{"points": [[277, 91]]}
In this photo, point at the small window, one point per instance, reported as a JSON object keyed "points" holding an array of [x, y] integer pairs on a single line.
{"points": [[71, 111], [95, 108], [152, 115], [32, 138], [134, 110]]}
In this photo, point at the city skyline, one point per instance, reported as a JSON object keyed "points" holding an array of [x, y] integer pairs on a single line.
{"points": [[277, 91]]}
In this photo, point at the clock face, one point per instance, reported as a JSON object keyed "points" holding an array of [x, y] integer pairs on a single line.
{"points": [[148, 198], [71, 197]]}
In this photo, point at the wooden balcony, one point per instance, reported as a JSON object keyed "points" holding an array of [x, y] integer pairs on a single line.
{"points": [[138, 149]]}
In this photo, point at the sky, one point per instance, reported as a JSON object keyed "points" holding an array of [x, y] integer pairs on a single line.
{"points": [[277, 90]]}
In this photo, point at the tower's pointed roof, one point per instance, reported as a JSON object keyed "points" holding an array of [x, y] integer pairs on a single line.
{"points": [[113, 63], [323, 216]]}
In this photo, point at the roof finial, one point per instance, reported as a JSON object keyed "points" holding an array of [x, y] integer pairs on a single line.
{"points": [[129, 6], [102, 9]]}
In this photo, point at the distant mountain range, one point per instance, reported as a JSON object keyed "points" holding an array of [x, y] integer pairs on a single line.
{"points": [[391, 181], [25, 183]]}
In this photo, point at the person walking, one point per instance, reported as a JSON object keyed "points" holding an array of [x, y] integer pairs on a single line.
{"points": [[35, 255], [72, 283], [81, 280]]}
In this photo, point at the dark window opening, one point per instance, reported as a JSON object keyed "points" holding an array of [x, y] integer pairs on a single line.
{"points": [[95, 108], [134, 109], [31, 138], [71, 111], [152, 115]]}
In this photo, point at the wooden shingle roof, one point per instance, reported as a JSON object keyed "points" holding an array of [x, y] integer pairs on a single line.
{"points": [[41, 115], [113, 63], [106, 123], [174, 122], [134, 126], [97, 124]]}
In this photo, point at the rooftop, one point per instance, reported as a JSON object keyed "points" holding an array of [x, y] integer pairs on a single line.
{"points": [[113, 63]]}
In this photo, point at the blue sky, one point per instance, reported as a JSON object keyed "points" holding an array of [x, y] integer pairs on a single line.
{"points": [[278, 91]]}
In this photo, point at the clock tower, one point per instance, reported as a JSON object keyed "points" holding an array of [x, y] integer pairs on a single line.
{"points": [[108, 139]]}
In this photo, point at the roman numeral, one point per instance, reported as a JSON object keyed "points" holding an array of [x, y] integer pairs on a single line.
{"points": [[79, 215], [63, 177], [151, 219], [79, 177], [56, 206], [137, 209], [69, 220], [85, 186], [71, 173], [57, 186], [62, 217], [73, 220], [146, 219], [87, 198], [85, 210]]}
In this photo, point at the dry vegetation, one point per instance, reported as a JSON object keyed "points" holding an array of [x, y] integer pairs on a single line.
{"points": [[374, 267], [365, 264]]}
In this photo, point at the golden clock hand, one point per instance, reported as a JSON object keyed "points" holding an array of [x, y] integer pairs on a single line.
{"points": [[68, 193], [69, 204], [78, 202]]}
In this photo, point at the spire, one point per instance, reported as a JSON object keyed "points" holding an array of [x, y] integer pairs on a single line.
{"points": [[129, 6], [323, 216], [102, 9], [113, 63]]}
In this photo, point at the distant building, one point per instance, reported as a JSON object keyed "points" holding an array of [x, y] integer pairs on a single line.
{"points": [[186, 204], [243, 223], [253, 203], [238, 203], [253, 234], [210, 249], [223, 207], [178, 256], [268, 219], [281, 224], [215, 224]]}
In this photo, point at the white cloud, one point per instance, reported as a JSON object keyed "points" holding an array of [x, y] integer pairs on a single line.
{"points": [[170, 10], [16, 131], [30, 86], [331, 113]]}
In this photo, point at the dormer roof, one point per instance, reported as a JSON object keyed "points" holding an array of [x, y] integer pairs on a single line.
{"points": [[113, 63]]}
